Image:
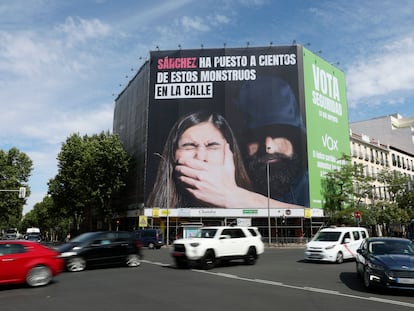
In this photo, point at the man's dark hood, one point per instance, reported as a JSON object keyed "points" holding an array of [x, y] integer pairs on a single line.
{"points": [[269, 101]]}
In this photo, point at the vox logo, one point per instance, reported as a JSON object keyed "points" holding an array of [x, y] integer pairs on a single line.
{"points": [[329, 142]]}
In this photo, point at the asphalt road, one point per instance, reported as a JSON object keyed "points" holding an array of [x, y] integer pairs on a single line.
{"points": [[279, 281]]}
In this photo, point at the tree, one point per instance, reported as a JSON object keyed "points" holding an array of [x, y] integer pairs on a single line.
{"points": [[15, 170], [43, 216], [394, 183], [343, 191], [91, 171]]}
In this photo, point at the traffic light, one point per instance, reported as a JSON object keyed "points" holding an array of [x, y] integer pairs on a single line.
{"points": [[22, 192], [357, 214]]}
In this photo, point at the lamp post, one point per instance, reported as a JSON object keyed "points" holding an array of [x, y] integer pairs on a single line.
{"points": [[167, 242], [268, 202]]}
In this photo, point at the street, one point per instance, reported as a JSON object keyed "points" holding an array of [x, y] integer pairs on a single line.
{"points": [[280, 279]]}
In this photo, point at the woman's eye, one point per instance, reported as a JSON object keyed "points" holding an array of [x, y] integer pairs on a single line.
{"points": [[188, 147], [213, 147]]}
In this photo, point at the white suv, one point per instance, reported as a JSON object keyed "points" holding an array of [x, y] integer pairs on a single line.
{"points": [[211, 244]]}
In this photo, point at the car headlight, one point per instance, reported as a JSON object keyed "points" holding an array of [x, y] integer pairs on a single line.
{"points": [[330, 246], [194, 244], [374, 266]]}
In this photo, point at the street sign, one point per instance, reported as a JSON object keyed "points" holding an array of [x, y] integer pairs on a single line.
{"points": [[22, 192]]}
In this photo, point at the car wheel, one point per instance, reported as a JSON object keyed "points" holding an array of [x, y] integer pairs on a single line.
{"points": [[209, 260], [76, 264], [339, 257], [151, 245], [251, 256], [180, 263], [133, 260], [359, 270], [39, 276]]}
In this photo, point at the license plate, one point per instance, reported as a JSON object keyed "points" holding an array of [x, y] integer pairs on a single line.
{"points": [[405, 281]]}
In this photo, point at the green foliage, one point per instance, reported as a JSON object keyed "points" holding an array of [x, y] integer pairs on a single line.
{"points": [[394, 181], [52, 226], [15, 170], [91, 172], [346, 190]]}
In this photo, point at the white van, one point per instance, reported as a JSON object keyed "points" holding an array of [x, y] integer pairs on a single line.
{"points": [[335, 244]]}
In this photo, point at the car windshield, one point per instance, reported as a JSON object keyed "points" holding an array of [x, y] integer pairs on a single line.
{"points": [[33, 237], [206, 233], [391, 248], [331, 236], [83, 237]]}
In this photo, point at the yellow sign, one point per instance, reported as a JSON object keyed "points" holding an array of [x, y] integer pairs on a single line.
{"points": [[165, 212], [143, 221], [156, 212], [308, 213]]}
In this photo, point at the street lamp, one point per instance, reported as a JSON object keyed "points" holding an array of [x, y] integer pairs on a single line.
{"points": [[268, 202], [168, 195]]}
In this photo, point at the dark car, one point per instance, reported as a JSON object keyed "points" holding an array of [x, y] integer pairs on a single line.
{"points": [[151, 238], [386, 262], [28, 262], [101, 248]]}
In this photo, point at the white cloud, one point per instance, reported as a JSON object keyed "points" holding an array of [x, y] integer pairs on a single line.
{"points": [[79, 30], [23, 54], [382, 75], [219, 19], [194, 23], [63, 124]]}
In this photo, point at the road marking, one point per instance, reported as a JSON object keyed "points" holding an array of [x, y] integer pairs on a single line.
{"points": [[304, 288], [309, 289], [156, 263]]}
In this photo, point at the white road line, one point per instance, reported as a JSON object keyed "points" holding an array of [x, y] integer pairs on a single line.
{"points": [[304, 288], [310, 289], [156, 263]]}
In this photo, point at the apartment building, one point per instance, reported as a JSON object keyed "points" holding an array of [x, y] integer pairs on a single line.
{"points": [[383, 142]]}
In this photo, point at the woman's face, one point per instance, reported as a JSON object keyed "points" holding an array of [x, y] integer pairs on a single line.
{"points": [[203, 142]]}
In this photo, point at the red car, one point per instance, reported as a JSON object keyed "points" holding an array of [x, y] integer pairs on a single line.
{"points": [[28, 262]]}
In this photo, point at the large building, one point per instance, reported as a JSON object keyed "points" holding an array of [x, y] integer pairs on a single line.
{"points": [[269, 97], [383, 143]]}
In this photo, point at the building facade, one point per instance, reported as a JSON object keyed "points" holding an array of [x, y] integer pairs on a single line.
{"points": [[287, 89], [383, 143]]}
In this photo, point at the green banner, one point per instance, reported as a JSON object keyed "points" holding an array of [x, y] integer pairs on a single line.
{"points": [[326, 119]]}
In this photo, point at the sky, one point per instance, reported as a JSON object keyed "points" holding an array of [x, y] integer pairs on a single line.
{"points": [[63, 63]]}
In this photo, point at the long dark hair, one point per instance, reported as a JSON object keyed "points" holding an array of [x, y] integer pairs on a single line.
{"points": [[166, 191]]}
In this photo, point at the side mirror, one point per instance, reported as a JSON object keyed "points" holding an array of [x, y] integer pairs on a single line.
{"points": [[362, 252], [347, 240]]}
